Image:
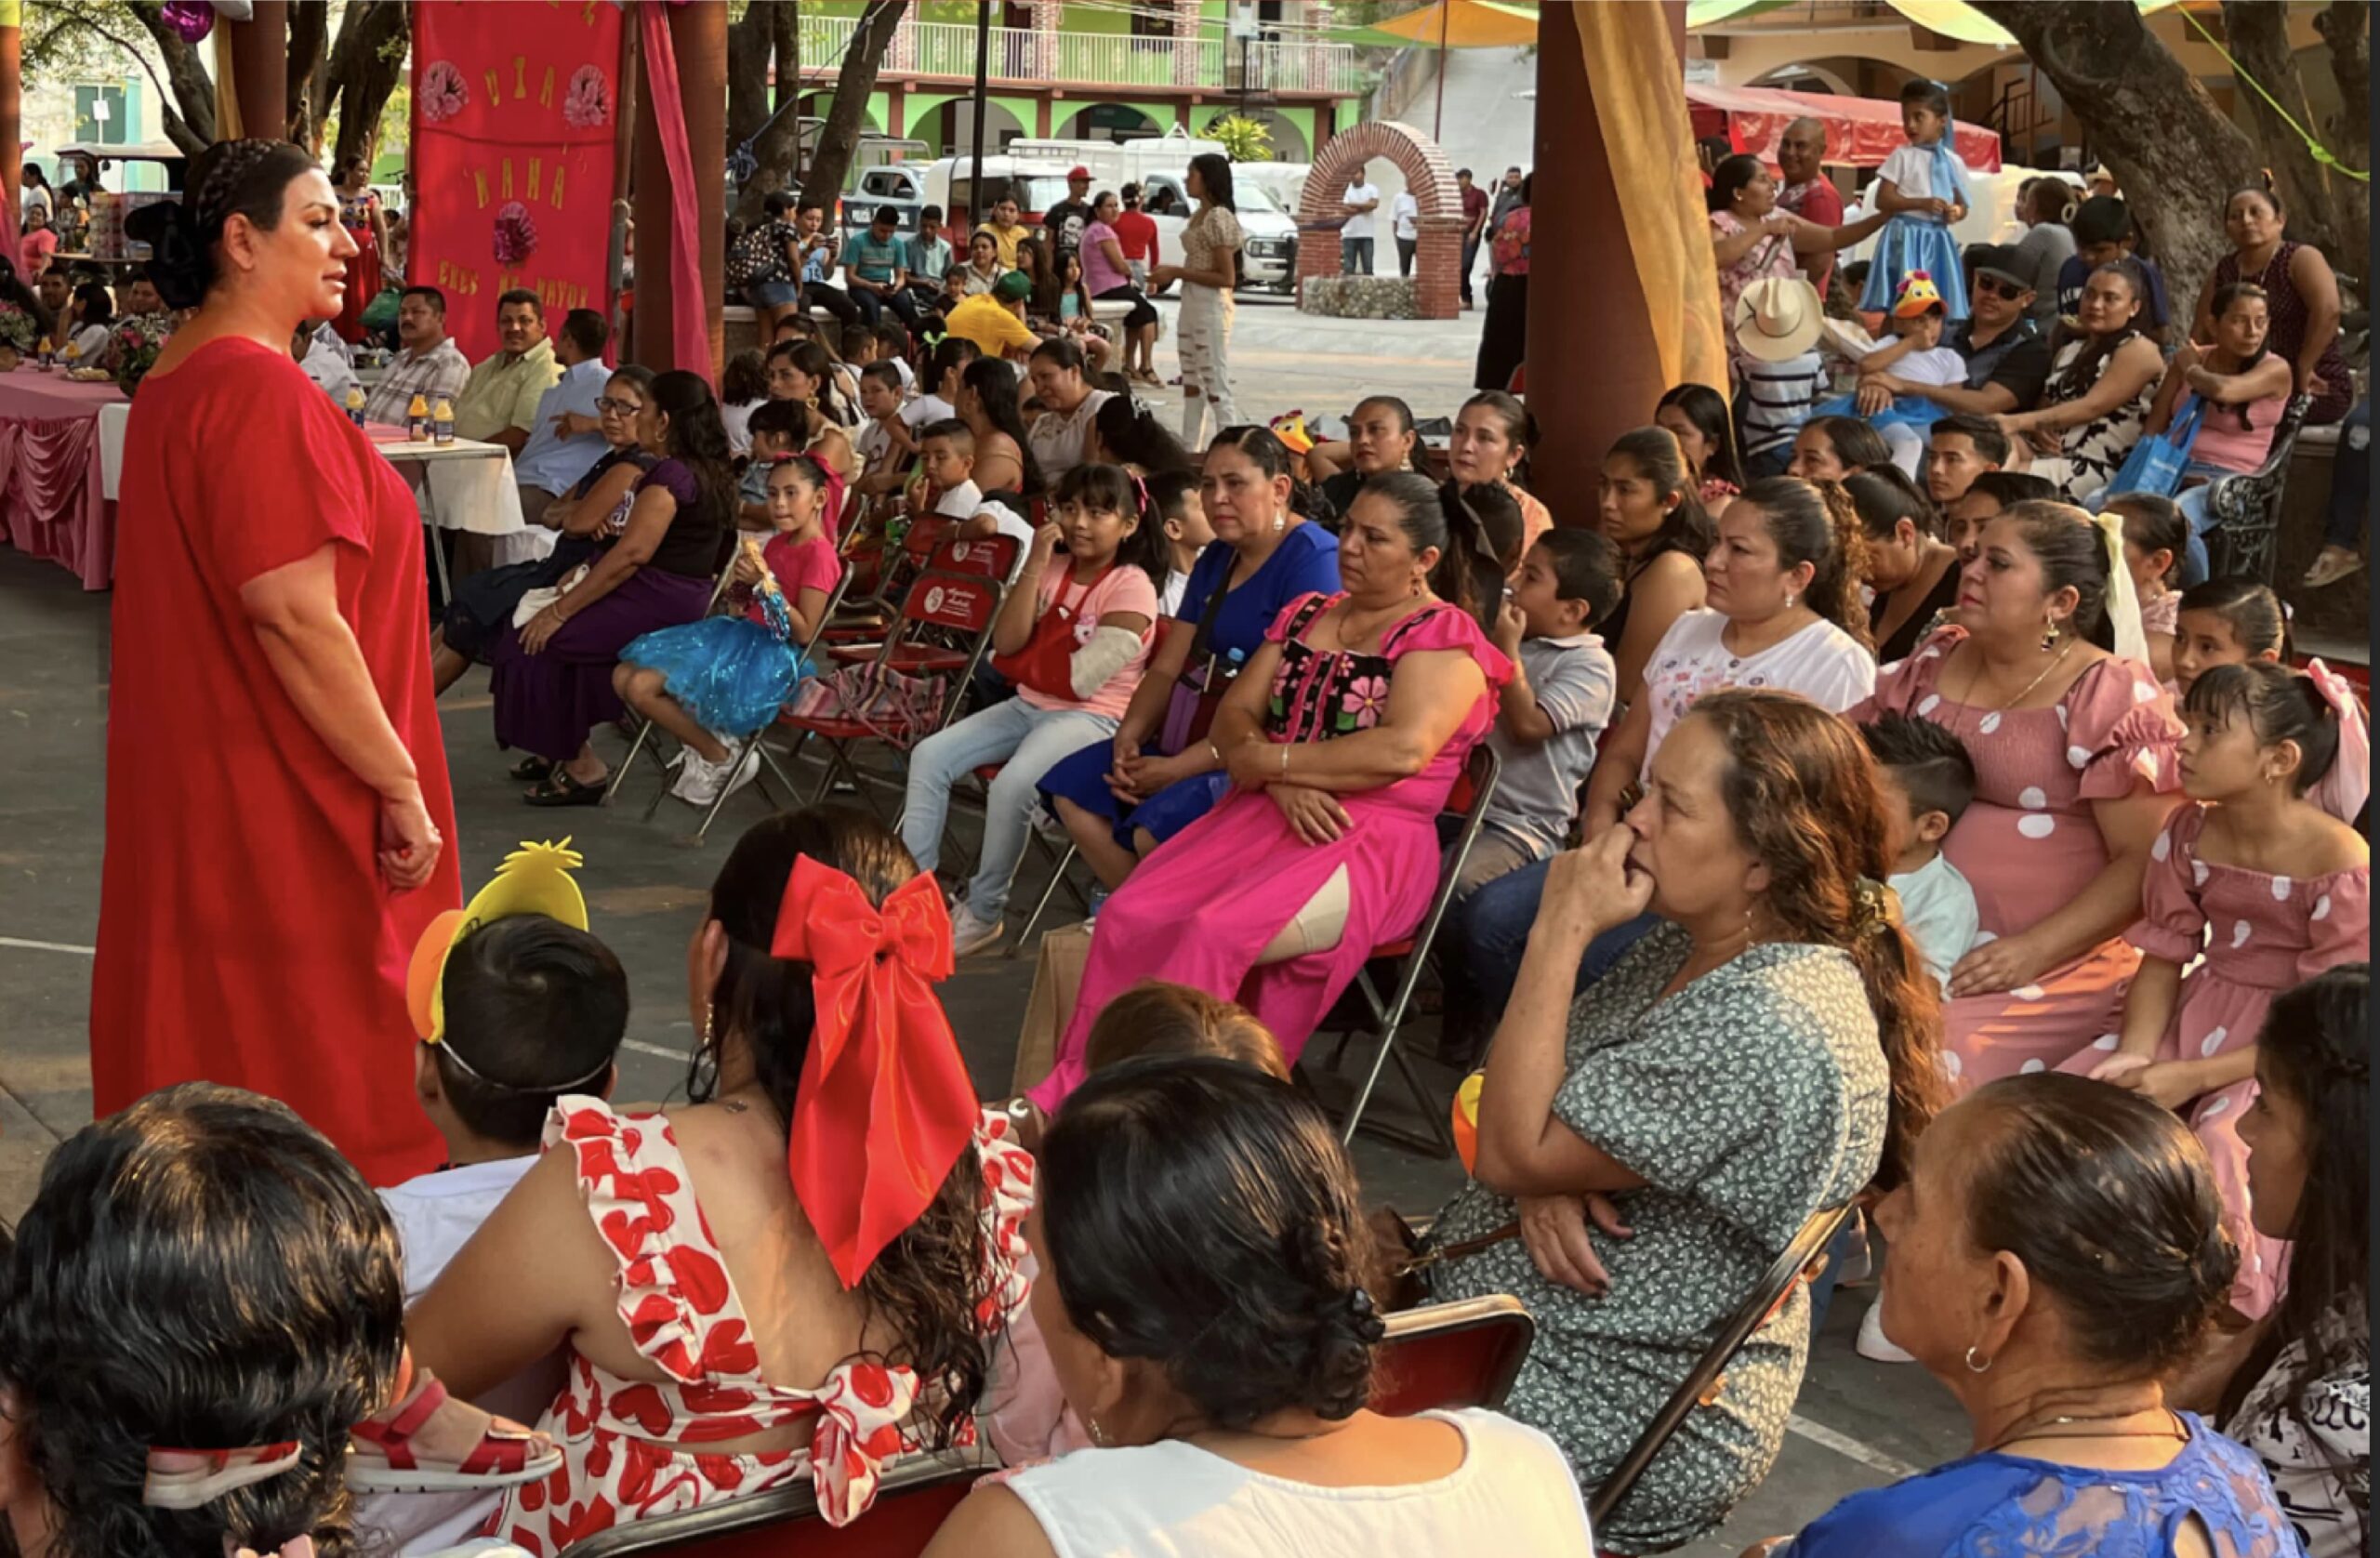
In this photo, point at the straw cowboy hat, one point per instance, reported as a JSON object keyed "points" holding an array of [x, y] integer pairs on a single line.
{"points": [[1777, 317]]}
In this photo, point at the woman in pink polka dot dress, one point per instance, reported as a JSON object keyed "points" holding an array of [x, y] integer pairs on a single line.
{"points": [[2272, 889], [2073, 750]]}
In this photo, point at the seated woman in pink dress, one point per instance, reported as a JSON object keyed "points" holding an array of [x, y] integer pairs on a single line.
{"points": [[1343, 737], [796, 1276], [2075, 771]]}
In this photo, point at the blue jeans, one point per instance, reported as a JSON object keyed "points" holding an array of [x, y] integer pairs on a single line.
{"points": [[1355, 256], [1469, 263], [1028, 742], [2352, 479], [2192, 501], [1494, 924]]}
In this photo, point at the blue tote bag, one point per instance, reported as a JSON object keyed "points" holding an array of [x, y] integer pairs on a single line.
{"points": [[2156, 462]]}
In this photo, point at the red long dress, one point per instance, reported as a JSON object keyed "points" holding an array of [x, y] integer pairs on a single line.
{"points": [[246, 934]]}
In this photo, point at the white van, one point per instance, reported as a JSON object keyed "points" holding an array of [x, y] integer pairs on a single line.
{"points": [[1159, 164]]}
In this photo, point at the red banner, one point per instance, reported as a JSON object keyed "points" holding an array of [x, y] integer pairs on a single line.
{"points": [[514, 157]]}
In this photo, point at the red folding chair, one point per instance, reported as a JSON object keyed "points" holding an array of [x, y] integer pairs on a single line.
{"points": [[945, 622], [1445, 1355], [1468, 801], [912, 1501], [896, 569], [992, 559]]}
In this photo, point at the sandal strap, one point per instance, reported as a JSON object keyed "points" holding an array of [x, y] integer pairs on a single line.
{"points": [[498, 1453], [393, 1435]]}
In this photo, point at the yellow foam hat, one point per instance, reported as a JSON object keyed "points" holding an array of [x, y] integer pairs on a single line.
{"points": [[534, 878], [1918, 295], [1466, 1121], [1290, 427]]}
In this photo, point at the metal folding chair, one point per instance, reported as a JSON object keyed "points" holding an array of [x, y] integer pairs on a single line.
{"points": [[1467, 801], [645, 727], [1439, 1356], [2246, 507], [1701, 1385]]}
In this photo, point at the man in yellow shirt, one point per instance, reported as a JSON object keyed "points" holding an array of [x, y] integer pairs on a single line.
{"points": [[995, 319], [499, 400], [1006, 229]]}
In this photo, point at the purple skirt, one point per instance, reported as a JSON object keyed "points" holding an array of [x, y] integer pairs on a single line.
{"points": [[546, 703]]}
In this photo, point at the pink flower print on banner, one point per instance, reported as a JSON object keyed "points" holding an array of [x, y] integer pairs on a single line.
{"points": [[590, 102], [1360, 705], [444, 92], [516, 235]]}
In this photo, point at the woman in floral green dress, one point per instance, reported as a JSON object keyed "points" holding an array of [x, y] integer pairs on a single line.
{"points": [[1767, 1053]]}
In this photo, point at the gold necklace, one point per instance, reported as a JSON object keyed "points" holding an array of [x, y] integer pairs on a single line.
{"points": [[1976, 680]]}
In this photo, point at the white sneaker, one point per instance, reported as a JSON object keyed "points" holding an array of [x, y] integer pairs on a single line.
{"points": [[746, 770], [700, 780], [970, 935], [1873, 1344]]}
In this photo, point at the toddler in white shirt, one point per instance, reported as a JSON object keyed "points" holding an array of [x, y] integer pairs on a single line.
{"points": [[1927, 779]]}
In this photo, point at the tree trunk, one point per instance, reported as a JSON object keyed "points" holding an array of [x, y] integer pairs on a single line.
{"points": [[870, 41], [775, 153], [364, 67], [2256, 33], [2149, 120], [2346, 28], [190, 118], [747, 74], [309, 27]]}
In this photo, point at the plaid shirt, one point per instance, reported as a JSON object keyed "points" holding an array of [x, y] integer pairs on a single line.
{"points": [[442, 370]]}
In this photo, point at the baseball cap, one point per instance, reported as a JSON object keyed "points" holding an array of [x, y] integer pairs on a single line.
{"points": [[1013, 288], [1077, 171], [1999, 262]]}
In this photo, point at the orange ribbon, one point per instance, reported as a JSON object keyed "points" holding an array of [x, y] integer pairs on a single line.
{"points": [[885, 1105]]}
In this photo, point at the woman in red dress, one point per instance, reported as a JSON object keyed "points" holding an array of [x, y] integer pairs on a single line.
{"points": [[278, 802], [359, 212]]}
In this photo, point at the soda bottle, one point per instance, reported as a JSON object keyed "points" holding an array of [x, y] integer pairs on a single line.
{"points": [[443, 420], [418, 419], [356, 403]]}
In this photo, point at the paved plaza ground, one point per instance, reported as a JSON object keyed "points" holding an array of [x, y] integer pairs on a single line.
{"points": [[1857, 1423]]}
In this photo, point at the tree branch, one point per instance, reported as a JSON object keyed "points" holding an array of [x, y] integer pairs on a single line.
{"points": [[871, 40]]}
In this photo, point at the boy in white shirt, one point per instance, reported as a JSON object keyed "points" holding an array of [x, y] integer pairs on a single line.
{"points": [[518, 1005], [883, 442], [1916, 355], [1926, 779]]}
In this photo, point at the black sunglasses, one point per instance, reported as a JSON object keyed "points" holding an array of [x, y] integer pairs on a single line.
{"points": [[1999, 288]]}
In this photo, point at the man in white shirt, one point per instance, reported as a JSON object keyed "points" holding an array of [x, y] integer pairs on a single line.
{"points": [[1356, 238], [1405, 226]]}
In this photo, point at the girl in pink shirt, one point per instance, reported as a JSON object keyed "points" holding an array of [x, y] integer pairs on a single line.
{"points": [[1073, 635]]}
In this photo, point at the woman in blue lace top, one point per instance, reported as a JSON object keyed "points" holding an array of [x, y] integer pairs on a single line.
{"points": [[2056, 1251]]}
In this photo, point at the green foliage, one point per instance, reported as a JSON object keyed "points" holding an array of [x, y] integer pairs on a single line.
{"points": [[1244, 140]]}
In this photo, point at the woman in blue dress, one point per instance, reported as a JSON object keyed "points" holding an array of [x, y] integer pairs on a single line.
{"points": [[1119, 800], [2055, 1253]]}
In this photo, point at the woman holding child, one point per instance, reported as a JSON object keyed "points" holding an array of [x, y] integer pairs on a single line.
{"points": [[1766, 1053], [793, 1277], [1121, 798], [2075, 766], [267, 657], [1342, 739]]}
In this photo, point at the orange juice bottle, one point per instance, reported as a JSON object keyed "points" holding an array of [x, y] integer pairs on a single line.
{"points": [[418, 419]]}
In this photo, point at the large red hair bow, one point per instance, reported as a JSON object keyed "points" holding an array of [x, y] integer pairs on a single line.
{"points": [[885, 1105]]}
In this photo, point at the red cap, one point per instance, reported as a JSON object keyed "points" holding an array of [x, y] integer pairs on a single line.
{"points": [[1077, 171]]}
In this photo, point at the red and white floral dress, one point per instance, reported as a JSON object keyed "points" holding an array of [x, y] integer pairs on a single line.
{"points": [[683, 1312]]}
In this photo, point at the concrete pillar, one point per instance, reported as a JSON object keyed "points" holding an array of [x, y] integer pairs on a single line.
{"points": [[1047, 14], [1594, 373], [1186, 44], [698, 37], [902, 59], [1318, 51], [260, 71]]}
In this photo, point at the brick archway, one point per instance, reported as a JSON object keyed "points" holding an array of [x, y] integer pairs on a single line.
{"points": [[1429, 177]]}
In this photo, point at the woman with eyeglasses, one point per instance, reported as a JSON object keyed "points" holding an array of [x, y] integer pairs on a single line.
{"points": [[482, 605]]}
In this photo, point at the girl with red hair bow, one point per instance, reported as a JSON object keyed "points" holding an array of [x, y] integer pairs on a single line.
{"points": [[796, 1276]]}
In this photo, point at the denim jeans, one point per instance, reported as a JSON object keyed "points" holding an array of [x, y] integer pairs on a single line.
{"points": [[1494, 924], [1469, 263], [2192, 501], [1027, 742], [2352, 479], [1355, 256]]}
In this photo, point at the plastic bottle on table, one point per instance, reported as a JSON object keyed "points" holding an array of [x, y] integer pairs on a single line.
{"points": [[443, 420], [356, 403], [418, 419]]}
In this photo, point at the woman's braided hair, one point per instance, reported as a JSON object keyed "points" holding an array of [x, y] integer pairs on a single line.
{"points": [[1203, 1215], [1801, 791], [231, 178]]}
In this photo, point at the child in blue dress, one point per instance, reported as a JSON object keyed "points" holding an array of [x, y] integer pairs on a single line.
{"points": [[714, 682], [1923, 186]]}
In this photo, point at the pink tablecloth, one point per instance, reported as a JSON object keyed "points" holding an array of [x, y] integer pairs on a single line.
{"points": [[52, 500]]}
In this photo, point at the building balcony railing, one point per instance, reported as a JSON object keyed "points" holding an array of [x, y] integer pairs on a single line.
{"points": [[1021, 56]]}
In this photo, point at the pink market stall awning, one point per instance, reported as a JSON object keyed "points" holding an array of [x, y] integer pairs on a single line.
{"points": [[1860, 131]]}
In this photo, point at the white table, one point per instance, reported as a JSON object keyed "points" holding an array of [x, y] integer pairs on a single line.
{"points": [[463, 485]]}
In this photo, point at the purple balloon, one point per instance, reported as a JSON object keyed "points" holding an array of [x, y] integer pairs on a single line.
{"points": [[192, 19]]}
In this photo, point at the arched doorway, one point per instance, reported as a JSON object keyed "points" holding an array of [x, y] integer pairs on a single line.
{"points": [[817, 105], [1107, 121], [1288, 141], [1430, 178], [950, 128]]}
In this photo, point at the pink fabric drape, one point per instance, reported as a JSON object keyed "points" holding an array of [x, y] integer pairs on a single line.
{"points": [[52, 498], [689, 321]]}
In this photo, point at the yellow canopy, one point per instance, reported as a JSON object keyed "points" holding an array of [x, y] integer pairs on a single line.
{"points": [[1467, 24]]}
